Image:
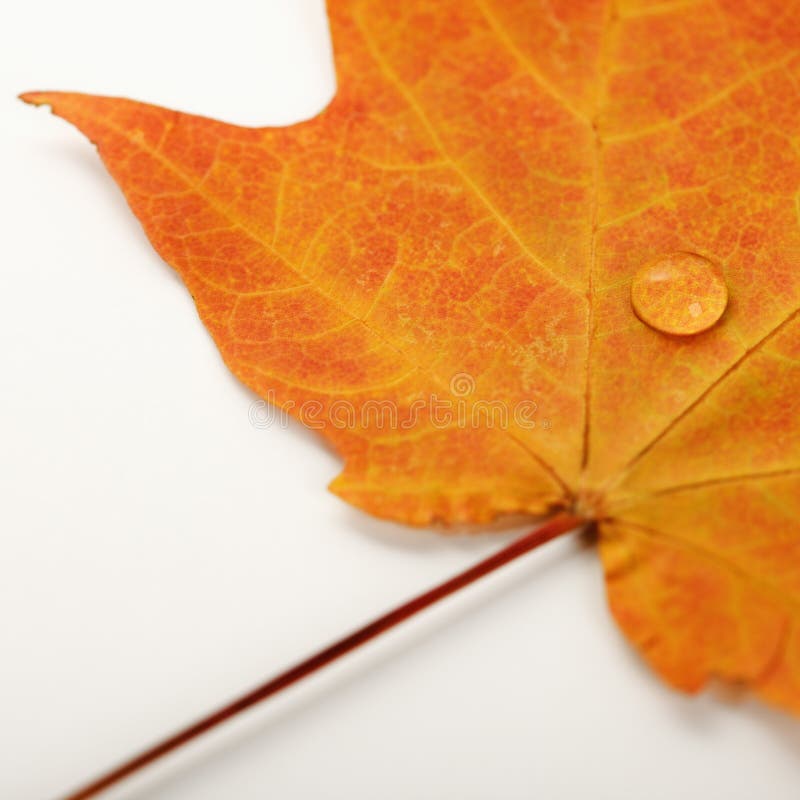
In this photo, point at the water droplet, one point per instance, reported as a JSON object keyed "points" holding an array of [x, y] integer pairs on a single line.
{"points": [[681, 294]]}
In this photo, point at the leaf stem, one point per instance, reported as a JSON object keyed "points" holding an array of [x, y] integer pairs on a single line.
{"points": [[558, 525]]}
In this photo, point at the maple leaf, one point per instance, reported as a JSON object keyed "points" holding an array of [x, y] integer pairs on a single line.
{"points": [[465, 222]]}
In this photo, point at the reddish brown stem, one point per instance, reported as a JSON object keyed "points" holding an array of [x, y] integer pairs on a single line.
{"points": [[550, 530]]}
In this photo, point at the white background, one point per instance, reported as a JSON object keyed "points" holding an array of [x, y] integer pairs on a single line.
{"points": [[158, 554]]}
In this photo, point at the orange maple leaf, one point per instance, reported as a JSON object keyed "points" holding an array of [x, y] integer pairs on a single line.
{"points": [[457, 236]]}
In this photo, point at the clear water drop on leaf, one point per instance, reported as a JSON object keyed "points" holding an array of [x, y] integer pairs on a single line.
{"points": [[680, 294]]}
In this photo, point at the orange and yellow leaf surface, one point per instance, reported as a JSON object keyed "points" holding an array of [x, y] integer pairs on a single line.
{"points": [[455, 242]]}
